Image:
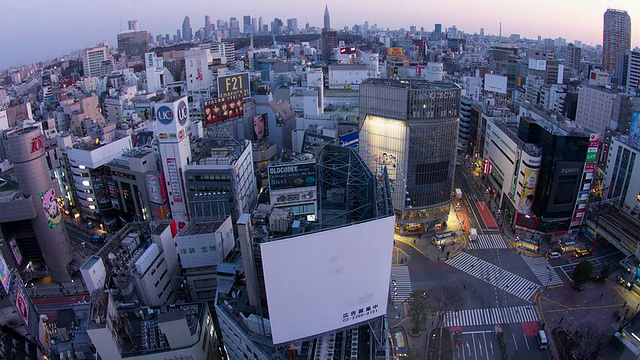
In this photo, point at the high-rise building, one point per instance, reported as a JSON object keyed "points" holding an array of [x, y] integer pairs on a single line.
{"points": [[329, 39], [292, 26], [207, 26], [616, 37], [260, 24], [133, 43], [27, 152], [187, 32], [234, 27], [327, 18], [134, 25], [633, 72], [574, 56], [410, 128], [92, 60], [246, 25]]}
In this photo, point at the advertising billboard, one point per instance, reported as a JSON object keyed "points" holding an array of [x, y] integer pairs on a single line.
{"points": [[51, 208], [22, 305], [236, 84], [395, 51], [174, 179], [5, 274], [172, 120], [634, 131], [292, 176], [324, 281], [350, 140], [17, 254], [260, 126], [222, 109], [205, 249], [495, 83], [537, 64], [155, 185], [390, 162], [528, 194]]}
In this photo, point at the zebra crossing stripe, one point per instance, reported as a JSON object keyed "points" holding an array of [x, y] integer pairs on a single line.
{"points": [[491, 316], [494, 275], [491, 241], [542, 270], [403, 283]]}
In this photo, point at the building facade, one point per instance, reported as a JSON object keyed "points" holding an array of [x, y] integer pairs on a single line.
{"points": [[616, 36], [92, 59], [410, 128], [133, 43]]}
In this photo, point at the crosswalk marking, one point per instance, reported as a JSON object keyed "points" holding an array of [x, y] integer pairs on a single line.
{"points": [[542, 270], [491, 316], [494, 275], [492, 241], [403, 283]]}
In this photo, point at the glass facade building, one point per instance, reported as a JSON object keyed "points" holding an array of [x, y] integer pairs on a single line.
{"points": [[410, 128]]}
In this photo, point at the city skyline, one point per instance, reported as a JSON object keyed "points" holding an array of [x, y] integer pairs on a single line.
{"points": [[61, 33]]}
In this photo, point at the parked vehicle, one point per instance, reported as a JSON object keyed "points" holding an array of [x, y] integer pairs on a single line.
{"points": [[580, 253], [554, 255], [541, 337]]}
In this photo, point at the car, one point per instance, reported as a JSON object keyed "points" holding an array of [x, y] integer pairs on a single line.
{"points": [[580, 253], [555, 255], [99, 238]]}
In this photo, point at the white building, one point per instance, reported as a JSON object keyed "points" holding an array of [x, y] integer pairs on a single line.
{"points": [[197, 71], [346, 76], [633, 72], [622, 175], [595, 108], [92, 59], [157, 75]]}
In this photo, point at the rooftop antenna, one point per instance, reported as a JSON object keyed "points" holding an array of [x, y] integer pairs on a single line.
{"points": [[501, 29]]}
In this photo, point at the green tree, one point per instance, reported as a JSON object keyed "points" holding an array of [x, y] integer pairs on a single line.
{"points": [[418, 310], [582, 273], [605, 272]]}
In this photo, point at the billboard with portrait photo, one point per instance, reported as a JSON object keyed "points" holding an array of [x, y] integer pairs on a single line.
{"points": [[390, 161], [260, 126], [222, 109], [51, 208], [527, 197]]}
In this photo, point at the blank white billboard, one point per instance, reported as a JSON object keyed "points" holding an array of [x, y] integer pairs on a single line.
{"points": [[495, 83], [321, 282]]}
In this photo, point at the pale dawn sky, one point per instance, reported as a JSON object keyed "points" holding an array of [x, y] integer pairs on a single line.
{"points": [[35, 30]]}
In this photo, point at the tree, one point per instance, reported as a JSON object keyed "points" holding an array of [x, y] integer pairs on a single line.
{"points": [[591, 340], [582, 273], [605, 272], [443, 300], [418, 311]]}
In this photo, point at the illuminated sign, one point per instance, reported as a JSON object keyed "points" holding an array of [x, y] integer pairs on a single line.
{"points": [[164, 115], [22, 305], [292, 176], [237, 84], [395, 51], [174, 179], [5, 274], [222, 109], [183, 113]]}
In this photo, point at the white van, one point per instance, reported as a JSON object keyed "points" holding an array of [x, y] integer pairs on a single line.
{"points": [[541, 337]]}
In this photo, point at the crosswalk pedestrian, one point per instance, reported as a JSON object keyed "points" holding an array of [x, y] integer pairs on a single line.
{"points": [[491, 316], [400, 284], [494, 275], [542, 270], [492, 241]]}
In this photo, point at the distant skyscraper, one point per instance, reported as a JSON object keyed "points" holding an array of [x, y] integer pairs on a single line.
{"points": [[616, 37], [329, 42], [133, 43], [327, 18], [187, 32], [292, 26], [234, 27], [246, 24], [207, 26], [260, 25], [134, 25], [92, 60]]}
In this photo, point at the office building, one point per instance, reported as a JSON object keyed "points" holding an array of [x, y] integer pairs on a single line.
{"points": [[329, 41], [327, 18], [187, 32], [292, 26], [133, 43], [327, 314], [633, 72], [92, 60], [622, 174], [574, 56], [134, 25], [595, 107], [616, 36], [38, 201], [410, 129], [247, 27]]}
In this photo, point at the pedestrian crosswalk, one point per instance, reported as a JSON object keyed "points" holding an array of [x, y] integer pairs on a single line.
{"points": [[542, 270], [492, 241], [494, 275], [402, 285], [491, 316]]}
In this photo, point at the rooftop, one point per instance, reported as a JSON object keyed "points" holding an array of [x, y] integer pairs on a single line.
{"points": [[412, 84]]}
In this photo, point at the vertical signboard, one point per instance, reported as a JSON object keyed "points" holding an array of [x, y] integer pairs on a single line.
{"points": [[17, 254], [51, 208], [528, 191], [634, 131], [5, 274], [174, 179], [22, 305], [585, 185]]}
